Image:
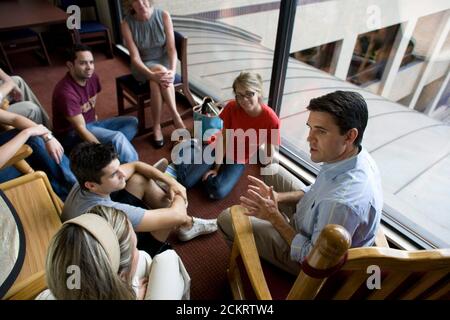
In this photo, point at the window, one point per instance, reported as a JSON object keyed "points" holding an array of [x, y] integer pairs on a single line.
{"points": [[395, 53], [319, 57], [431, 54], [383, 62], [370, 55]]}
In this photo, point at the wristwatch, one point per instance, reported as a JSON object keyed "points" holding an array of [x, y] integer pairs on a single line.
{"points": [[48, 137]]}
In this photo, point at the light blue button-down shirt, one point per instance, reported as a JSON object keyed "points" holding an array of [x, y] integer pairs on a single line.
{"points": [[347, 193]]}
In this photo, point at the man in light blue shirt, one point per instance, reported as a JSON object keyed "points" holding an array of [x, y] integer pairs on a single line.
{"points": [[347, 190]]}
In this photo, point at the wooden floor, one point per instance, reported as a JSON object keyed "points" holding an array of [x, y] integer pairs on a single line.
{"points": [[206, 257]]}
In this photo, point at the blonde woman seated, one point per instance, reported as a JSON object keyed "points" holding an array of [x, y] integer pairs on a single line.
{"points": [[94, 257], [148, 35]]}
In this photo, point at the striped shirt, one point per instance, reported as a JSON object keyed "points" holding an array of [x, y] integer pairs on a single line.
{"points": [[347, 193]]}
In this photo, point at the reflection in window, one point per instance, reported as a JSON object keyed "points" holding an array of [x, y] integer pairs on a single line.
{"points": [[319, 57], [370, 55], [431, 97], [442, 111], [410, 55]]}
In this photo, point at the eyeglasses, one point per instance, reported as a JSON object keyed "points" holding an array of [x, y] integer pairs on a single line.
{"points": [[247, 94]]}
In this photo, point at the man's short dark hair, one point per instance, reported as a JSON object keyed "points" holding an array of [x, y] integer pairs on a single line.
{"points": [[72, 53], [349, 109], [88, 159]]}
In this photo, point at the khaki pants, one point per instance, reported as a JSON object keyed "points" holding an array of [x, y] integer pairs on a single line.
{"points": [[29, 107], [271, 246]]}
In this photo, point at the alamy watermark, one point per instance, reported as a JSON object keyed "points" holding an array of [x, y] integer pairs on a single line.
{"points": [[374, 17], [240, 144], [73, 281], [74, 20], [374, 280]]}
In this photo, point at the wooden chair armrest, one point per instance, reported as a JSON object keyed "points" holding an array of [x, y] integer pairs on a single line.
{"points": [[248, 251], [21, 154], [380, 238], [29, 288]]}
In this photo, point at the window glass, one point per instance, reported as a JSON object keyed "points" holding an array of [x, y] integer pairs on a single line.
{"points": [[370, 55], [397, 57], [319, 57], [395, 53]]}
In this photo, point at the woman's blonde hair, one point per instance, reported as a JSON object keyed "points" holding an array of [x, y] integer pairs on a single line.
{"points": [[73, 246], [128, 6], [249, 80]]}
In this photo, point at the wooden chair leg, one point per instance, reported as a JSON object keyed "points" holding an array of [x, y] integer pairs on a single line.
{"points": [[44, 49], [187, 93], [141, 115], [109, 44], [186, 113], [76, 39], [120, 98], [234, 276]]}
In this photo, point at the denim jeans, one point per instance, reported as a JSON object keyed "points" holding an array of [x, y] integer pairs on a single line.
{"points": [[218, 187], [61, 177], [118, 130], [9, 173]]}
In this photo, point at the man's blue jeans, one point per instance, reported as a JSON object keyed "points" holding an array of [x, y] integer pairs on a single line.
{"points": [[218, 187], [118, 130], [61, 177]]}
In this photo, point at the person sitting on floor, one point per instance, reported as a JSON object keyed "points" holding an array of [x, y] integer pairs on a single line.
{"points": [[251, 124], [347, 190], [22, 100], [48, 154], [74, 116], [110, 267], [132, 188]]}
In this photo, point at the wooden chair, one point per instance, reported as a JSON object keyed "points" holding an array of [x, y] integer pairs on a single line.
{"points": [[18, 160], [333, 271], [12, 42], [92, 32], [138, 94], [39, 209]]}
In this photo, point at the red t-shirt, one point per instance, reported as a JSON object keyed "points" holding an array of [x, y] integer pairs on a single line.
{"points": [[71, 99], [264, 128]]}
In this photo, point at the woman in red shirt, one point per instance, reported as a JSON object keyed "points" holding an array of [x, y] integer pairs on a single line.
{"points": [[247, 124]]}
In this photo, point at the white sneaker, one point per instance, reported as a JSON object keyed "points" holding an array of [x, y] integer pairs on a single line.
{"points": [[199, 227]]}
